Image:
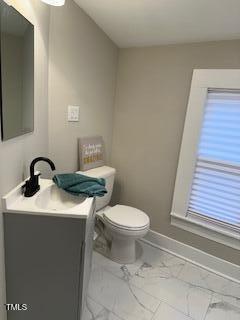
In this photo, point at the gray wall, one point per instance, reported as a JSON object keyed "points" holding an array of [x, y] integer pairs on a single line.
{"points": [[82, 71], [16, 154], [152, 94]]}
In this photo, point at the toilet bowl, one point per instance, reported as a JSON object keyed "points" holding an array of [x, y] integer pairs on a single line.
{"points": [[124, 225], [121, 225]]}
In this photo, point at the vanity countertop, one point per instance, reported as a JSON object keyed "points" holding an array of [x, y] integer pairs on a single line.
{"points": [[48, 201]]}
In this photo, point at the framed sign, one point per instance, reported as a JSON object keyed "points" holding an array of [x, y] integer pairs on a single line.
{"points": [[91, 152]]}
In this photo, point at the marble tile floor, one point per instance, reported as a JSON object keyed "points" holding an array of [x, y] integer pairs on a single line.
{"points": [[159, 286]]}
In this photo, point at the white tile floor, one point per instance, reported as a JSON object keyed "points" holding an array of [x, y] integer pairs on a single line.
{"points": [[159, 286]]}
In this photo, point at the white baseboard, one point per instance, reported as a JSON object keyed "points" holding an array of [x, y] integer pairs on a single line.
{"points": [[207, 261]]}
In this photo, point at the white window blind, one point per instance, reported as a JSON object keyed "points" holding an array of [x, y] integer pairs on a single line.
{"points": [[215, 192]]}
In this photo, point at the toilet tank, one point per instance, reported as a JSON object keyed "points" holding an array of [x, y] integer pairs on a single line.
{"points": [[106, 173]]}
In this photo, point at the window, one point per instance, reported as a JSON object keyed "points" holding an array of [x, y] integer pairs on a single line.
{"points": [[207, 190], [215, 191]]}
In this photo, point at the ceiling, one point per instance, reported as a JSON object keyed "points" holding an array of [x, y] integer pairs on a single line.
{"points": [[134, 23]]}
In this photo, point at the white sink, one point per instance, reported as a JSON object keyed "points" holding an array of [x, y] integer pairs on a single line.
{"points": [[49, 200], [53, 198]]}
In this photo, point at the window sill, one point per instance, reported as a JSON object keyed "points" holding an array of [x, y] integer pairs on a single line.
{"points": [[207, 229]]}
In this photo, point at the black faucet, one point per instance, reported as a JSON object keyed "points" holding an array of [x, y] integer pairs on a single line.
{"points": [[32, 186]]}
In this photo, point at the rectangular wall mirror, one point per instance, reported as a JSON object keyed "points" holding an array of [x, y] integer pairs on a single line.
{"points": [[17, 73]]}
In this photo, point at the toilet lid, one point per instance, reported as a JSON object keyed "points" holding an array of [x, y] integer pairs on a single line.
{"points": [[127, 217]]}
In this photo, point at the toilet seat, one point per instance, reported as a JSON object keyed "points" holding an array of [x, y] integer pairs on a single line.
{"points": [[125, 217]]}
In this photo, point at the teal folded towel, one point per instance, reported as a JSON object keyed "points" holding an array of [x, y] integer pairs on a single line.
{"points": [[78, 184]]}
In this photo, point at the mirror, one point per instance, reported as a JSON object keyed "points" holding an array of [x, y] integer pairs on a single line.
{"points": [[17, 73]]}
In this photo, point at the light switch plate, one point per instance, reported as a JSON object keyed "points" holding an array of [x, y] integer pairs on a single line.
{"points": [[73, 113]]}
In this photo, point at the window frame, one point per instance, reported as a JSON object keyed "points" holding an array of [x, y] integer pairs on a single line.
{"points": [[202, 81]]}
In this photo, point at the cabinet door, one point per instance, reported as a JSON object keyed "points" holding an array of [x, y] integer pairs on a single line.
{"points": [[43, 259]]}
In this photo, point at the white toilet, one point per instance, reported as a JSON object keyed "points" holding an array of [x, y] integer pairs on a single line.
{"points": [[122, 225]]}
